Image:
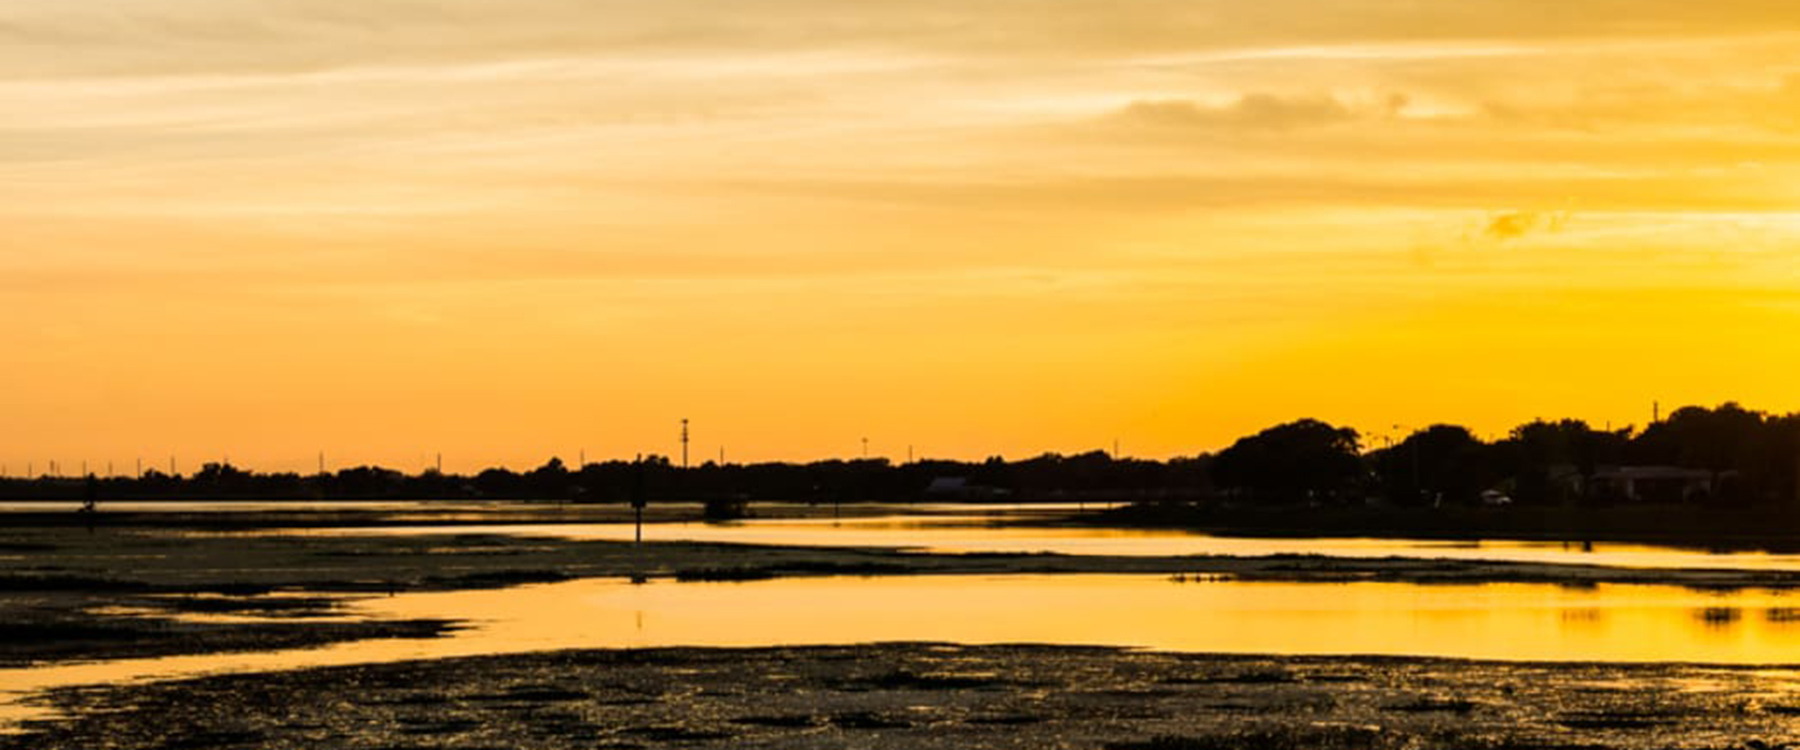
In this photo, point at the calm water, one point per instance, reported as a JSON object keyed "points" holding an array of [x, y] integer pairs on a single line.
{"points": [[1497, 621], [977, 533], [954, 528]]}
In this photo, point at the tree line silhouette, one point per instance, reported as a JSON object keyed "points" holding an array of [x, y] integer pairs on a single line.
{"points": [[1729, 455]]}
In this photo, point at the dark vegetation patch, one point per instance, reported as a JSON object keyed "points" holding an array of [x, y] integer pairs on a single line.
{"points": [[40, 632], [1427, 705], [30, 643], [668, 733], [1305, 738], [905, 679], [435, 725], [1007, 721], [214, 739], [792, 721], [867, 720], [534, 694], [496, 579], [10, 547], [1609, 720], [1259, 677], [1334, 677], [256, 605], [19, 583], [793, 568], [416, 699]]}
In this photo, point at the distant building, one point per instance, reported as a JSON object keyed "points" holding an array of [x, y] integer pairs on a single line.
{"points": [[1653, 484]]}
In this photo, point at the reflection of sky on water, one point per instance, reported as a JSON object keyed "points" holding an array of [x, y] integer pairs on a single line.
{"points": [[980, 534], [1494, 621]]}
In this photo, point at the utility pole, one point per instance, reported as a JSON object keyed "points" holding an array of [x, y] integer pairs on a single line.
{"points": [[637, 497], [440, 463], [865, 448], [684, 444], [1655, 412]]}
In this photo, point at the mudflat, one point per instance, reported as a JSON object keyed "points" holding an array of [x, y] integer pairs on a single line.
{"points": [[149, 588], [923, 695]]}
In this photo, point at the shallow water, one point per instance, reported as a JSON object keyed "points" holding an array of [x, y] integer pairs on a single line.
{"points": [[978, 533], [1496, 621], [947, 528]]}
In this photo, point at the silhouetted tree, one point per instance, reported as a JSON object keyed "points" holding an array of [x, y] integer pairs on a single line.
{"points": [[1307, 460], [1547, 461], [1441, 463]]}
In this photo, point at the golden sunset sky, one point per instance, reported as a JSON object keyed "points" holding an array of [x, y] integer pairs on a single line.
{"points": [[510, 229]]}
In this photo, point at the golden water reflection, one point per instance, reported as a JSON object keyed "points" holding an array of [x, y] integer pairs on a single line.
{"points": [[1494, 621], [980, 534]]}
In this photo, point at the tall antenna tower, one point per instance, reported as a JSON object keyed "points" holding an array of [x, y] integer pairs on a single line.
{"points": [[684, 444]]}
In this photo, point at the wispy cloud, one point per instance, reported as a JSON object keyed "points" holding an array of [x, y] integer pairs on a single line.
{"points": [[1517, 224]]}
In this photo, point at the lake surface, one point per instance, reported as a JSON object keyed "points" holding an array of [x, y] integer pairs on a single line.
{"points": [[1495, 621]]}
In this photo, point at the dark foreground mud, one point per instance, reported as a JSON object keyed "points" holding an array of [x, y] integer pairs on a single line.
{"points": [[938, 696]]}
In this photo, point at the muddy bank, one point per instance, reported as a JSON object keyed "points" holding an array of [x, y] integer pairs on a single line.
{"points": [[40, 634], [938, 696]]}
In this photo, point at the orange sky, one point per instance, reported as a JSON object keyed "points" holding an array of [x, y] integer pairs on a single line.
{"points": [[507, 230]]}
